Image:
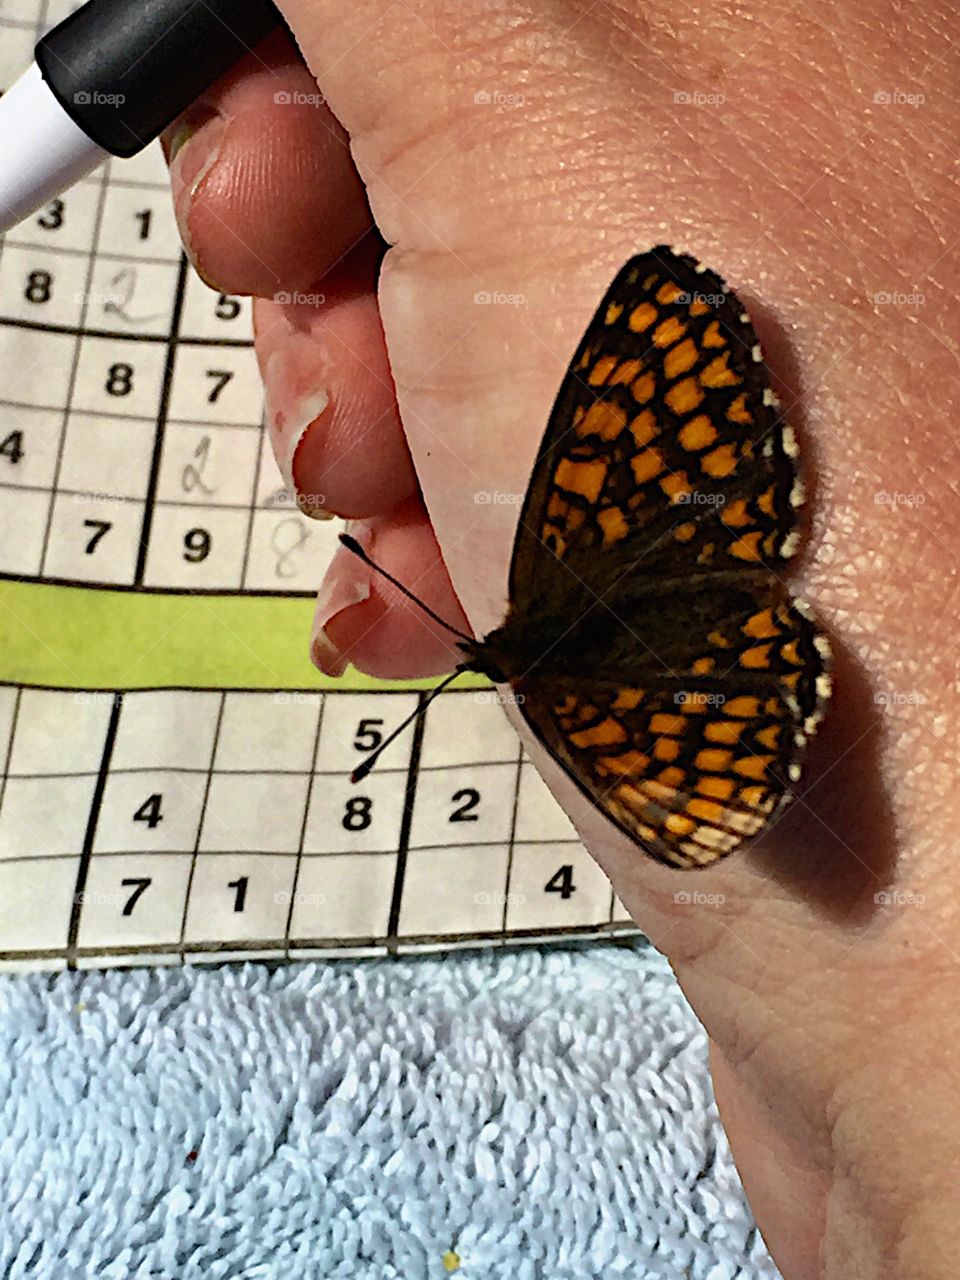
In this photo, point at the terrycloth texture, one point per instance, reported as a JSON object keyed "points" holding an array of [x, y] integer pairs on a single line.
{"points": [[546, 1114]]}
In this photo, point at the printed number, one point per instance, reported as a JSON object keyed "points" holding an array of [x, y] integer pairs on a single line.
{"points": [[470, 799], [119, 380], [357, 815], [144, 217], [561, 882], [197, 544], [140, 888], [39, 287], [220, 379], [227, 308], [368, 736], [241, 895], [149, 811], [12, 447], [52, 217], [100, 529]]}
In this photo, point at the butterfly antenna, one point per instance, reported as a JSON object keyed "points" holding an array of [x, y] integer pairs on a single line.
{"points": [[362, 770], [353, 545]]}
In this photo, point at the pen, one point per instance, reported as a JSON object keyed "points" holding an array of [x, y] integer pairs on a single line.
{"points": [[107, 81]]}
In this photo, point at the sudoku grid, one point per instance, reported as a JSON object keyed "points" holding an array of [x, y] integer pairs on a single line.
{"points": [[132, 451], [171, 825], [159, 826]]}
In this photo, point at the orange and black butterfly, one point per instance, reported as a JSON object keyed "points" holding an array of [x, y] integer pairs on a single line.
{"points": [[660, 658]]}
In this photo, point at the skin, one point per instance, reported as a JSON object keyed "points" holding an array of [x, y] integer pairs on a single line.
{"points": [[824, 961]]}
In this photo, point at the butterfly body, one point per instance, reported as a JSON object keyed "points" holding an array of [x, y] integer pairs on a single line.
{"points": [[661, 659]]}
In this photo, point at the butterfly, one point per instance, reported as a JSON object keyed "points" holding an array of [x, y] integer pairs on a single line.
{"points": [[650, 642]]}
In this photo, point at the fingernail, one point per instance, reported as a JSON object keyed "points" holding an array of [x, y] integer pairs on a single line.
{"points": [[193, 151], [291, 419], [345, 585]]}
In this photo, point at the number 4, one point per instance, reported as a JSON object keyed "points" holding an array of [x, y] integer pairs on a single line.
{"points": [[561, 882]]}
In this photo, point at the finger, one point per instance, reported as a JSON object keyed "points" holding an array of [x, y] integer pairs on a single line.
{"points": [[265, 192], [331, 404], [363, 619]]}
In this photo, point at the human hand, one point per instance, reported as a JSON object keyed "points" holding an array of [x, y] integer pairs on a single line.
{"points": [[761, 142]]}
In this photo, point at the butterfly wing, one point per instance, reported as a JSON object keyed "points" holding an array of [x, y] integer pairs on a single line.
{"points": [[665, 447], [694, 762]]}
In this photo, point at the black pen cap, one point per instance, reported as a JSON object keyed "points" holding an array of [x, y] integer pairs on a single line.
{"points": [[123, 69]]}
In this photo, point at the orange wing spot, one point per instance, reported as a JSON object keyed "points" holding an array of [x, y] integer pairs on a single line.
{"points": [[604, 419], [720, 461], [671, 776], [587, 358], [628, 699], [738, 411], [757, 658], [761, 625], [706, 811], [565, 705], [718, 373], [747, 547], [613, 525], [712, 337], [584, 478], [601, 370], [657, 791], [645, 466], [643, 428], [627, 370], [706, 553], [698, 307], [614, 312], [557, 506], [754, 767], [768, 737], [676, 485], [664, 722], [789, 651], [772, 707], [703, 666], [766, 502], [684, 396], [644, 388], [669, 292], [684, 532], [718, 640], [698, 433], [629, 762], [575, 519], [678, 825], [752, 797], [726, 732], [680, 359], [608, 733], [668, 332], [666, 749], [716, 788], [712, 760], [791, 681], [735, 515], [746, 706], [642, 317], [554, 539]]}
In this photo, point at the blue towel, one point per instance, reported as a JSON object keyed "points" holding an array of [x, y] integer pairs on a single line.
{"points": [[513, 1116]]}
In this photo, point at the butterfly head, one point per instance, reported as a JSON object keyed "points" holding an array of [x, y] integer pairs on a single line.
{"points": [[488, 657]]}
